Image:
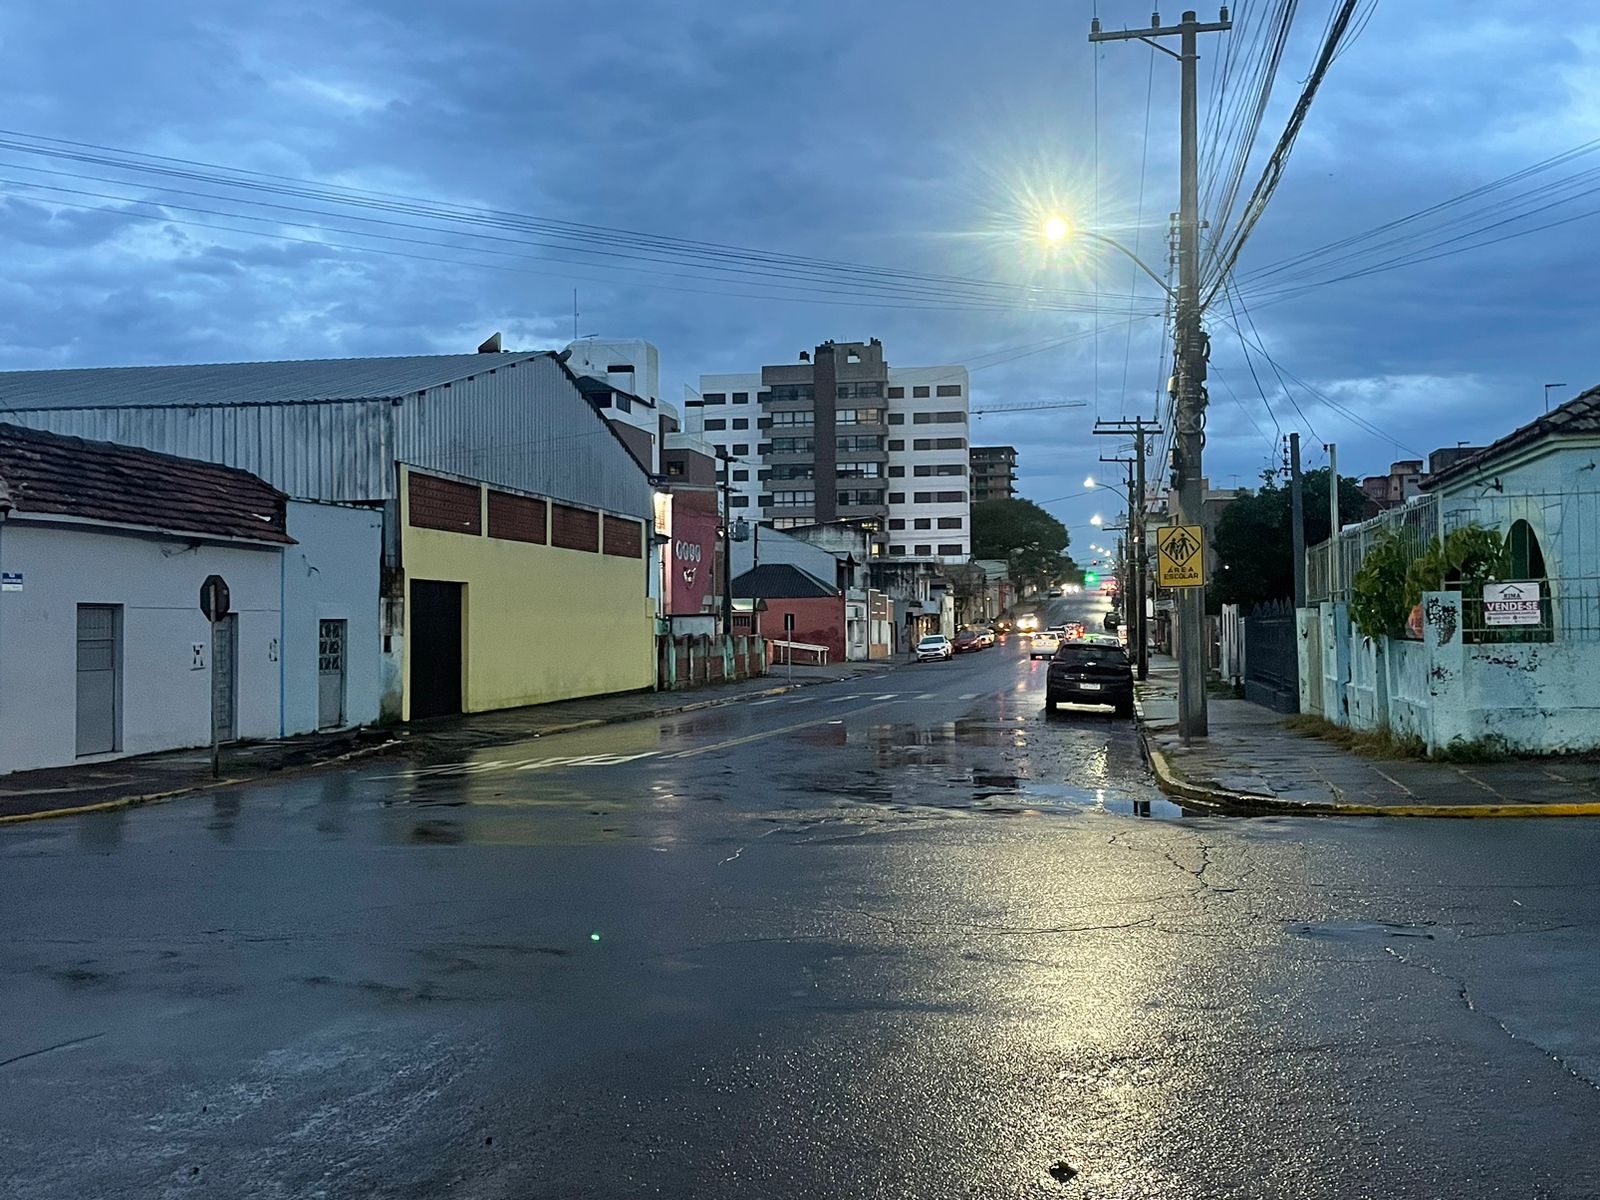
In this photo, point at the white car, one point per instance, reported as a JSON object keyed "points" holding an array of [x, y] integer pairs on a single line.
{"points": [[934, 647], [1044, 644]]}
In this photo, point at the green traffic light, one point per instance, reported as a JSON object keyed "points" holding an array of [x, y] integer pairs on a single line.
{"points": [[1090, 579]]}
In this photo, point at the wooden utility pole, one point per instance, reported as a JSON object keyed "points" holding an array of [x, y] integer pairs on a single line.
{"points": [[1140, 429], [1190, 352]]}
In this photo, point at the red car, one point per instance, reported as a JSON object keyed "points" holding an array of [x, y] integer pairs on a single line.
{"points": [[967, 639]]}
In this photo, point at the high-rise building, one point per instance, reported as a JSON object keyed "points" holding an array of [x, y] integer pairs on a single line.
{"points": [[841, 435], [994, 473]]}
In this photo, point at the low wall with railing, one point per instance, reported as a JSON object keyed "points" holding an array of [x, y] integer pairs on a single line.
{"points": [[1530, 697], [694, 660]]}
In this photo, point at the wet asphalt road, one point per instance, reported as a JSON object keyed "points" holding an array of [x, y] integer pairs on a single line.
{"points": [[901, 937]]}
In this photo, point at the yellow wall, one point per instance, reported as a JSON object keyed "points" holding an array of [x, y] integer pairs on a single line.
{"points": [[538, 623]]}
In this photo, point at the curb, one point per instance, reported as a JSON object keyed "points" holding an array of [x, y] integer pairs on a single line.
{"points": [[394, 743], [1225, 801], [208, 785]]}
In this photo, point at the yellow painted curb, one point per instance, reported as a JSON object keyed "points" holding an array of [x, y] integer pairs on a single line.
{"points": [[1226, 801], [108, 805]]}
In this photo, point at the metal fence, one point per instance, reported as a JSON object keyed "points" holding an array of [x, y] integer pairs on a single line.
{"points": [[1417, 522], [1558, 546], [1555, 541]]}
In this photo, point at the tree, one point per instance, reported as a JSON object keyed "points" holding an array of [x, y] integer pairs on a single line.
{"points": [[1029, 540], [1254, 541]]}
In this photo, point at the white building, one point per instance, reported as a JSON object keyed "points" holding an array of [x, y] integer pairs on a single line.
{"points": [[892, 440]]}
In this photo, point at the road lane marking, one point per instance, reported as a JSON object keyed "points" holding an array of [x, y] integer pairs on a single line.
{"points": [[756, 737], [889, 696], [969, 695], [802, 700], [774, 700], [925, 696], [845, 699]]}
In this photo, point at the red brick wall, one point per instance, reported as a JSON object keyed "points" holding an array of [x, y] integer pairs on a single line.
{"points": [[444, 504], [818, 620], [516, 518]]}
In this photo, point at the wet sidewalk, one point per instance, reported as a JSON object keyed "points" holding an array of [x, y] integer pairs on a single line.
{"points": [[116, 783], [1251, 760]]}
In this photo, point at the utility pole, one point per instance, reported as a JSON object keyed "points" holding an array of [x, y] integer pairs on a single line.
{"points": [[1333, 520], [1139, 428], [727, 544], [1189, 355], [1297, 515]]}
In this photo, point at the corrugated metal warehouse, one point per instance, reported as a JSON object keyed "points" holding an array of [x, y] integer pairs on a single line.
{"points": [[343, 429]]}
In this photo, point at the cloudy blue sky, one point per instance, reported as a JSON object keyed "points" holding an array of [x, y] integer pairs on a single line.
{"points": [[924, 137]]}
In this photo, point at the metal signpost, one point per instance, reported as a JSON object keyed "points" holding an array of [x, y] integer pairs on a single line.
{"points": [[788, 643], [214, 600]]}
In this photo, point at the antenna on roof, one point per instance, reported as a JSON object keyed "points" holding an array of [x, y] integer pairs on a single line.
{"points": [[492, 345]]}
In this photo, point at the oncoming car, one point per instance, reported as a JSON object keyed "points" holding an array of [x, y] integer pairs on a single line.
{"points": [[1043, 645], [1028, 623], [934, 648]]}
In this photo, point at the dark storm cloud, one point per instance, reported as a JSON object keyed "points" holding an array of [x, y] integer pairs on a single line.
{"points": [[899, 134]]}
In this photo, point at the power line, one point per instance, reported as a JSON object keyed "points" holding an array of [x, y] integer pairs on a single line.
{"points": [[1273, 172]]}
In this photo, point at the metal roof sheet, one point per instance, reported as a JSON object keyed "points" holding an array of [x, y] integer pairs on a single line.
{"points": [[219, 384]]}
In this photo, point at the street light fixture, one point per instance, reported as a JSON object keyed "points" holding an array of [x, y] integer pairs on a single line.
{"points": [[1057, 229], [1089, 483], [1096, 520]]}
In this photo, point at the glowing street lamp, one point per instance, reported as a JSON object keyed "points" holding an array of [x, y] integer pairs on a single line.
{"points": [[1096, 520], [1058, 229], [1089, 483]]}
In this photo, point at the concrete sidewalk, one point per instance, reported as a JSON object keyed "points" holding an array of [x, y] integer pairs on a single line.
{"points": [[117, 783], [1252, 763]]}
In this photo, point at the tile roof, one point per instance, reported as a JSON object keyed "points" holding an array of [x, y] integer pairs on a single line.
{"points": [[780, 581], [1579, 416], [217, 384], [49, 473]]}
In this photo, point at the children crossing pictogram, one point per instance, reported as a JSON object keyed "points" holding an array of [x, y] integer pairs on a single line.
{"points": [[1180, 556]]}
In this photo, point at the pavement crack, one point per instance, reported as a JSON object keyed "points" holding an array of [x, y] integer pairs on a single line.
{"points": [[77, 1041], [1464, 994]]}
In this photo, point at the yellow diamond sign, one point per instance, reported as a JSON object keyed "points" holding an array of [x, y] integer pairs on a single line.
{"points": [[1180, 556]]}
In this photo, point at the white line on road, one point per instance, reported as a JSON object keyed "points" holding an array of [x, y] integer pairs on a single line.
{"points": [[759, 703], [970, 695], [925, 696], [845, 699], [889, 696], [802, 700]]}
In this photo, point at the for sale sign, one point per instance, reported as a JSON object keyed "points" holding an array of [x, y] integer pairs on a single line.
{"points": [[1515, 603]]}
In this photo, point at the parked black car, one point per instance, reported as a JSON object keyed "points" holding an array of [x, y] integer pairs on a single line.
{"points": [[1084, 672]]}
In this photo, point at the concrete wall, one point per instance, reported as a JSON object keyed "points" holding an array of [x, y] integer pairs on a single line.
{"points": [[1538, 698], [332, 574], [541, 623], [165, 700]]}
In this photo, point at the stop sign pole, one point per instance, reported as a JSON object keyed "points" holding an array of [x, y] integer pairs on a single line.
{"points": [[214, 602]]}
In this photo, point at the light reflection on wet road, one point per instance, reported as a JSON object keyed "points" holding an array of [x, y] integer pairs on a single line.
{"points": [[896, 937]]}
